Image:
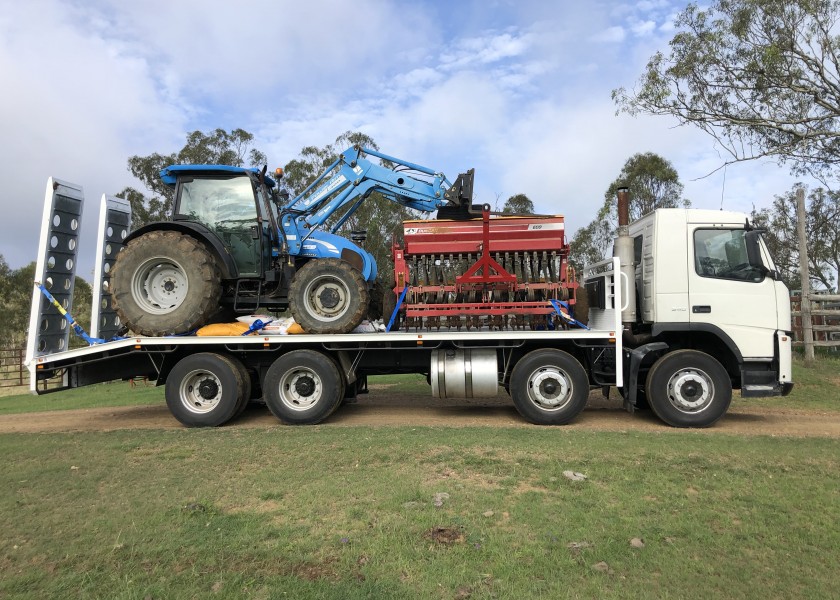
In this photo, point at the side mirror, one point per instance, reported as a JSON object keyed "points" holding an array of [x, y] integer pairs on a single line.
{"points": [[751, 239], [754, 248]]}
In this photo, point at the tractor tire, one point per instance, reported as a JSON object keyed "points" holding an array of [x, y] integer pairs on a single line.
{"points": [[389, 302], [581, 307], [165, 282], [328, 295]]}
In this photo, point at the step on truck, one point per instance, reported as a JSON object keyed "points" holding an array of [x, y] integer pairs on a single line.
{"points": [[688, 309]]}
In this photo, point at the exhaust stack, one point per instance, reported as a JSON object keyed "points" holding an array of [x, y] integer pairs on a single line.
{"points": [[623, 249]]}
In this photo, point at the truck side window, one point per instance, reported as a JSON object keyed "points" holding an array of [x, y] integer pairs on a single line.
{"points": [[722, 254]]}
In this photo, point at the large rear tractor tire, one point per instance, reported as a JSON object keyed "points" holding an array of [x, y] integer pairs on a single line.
{"points": [[328, 295], [165, 282]]}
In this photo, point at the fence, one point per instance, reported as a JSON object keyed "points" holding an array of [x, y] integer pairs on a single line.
{"points": [[14, 374], [825, 320]]}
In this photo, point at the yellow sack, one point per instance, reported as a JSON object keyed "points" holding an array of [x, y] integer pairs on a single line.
{"points": [[294, 328], [223, 329]]}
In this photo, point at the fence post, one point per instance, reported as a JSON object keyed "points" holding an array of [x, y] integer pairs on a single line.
{"points": [[805, 275]]}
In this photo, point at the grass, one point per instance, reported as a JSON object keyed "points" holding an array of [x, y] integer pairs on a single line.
{"points": [[814, 388], [100, 395], [349, 513]]}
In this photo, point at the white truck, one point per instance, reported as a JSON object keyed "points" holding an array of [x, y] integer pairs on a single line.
{"points": [[690, 308]]}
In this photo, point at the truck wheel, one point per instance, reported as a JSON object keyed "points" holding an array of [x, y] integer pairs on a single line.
{"points": [[549, 387], [328, 295], [246, 386], [165, 282], [204, 390], [688, 388], [303, 387]]}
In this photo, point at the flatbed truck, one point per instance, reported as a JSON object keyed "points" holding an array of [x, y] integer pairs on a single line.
{"points": [[689, 309]]}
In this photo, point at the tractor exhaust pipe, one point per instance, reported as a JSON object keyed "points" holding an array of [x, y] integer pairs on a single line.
{"points": [[623, 249]]}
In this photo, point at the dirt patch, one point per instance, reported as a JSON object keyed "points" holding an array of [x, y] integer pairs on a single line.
{"points": [[383, 409], [445, 536]]}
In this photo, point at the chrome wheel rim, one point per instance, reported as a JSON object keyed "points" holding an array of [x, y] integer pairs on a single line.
{"points": [[550, 389], [691, 390], [301, 389], [200, 391]]}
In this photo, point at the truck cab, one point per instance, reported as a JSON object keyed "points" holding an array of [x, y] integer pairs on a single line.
{"points": [[705, 279]]}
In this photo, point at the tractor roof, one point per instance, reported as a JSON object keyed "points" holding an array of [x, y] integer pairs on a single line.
{"points": [[169, 175]]}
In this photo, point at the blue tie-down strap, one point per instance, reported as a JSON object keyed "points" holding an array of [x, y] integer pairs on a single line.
{"points": [[77, 329], [396, 309], [566, 316], [257, 325]]}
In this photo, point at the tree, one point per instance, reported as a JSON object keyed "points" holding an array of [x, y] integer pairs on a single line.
{"points": [[518, 204], [380, 217], [762, 77], [822, 213], [16, 287], [652, 182], [217, 147]]}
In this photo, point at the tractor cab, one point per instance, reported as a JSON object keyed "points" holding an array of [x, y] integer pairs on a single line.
{"points": [[235, 204]]}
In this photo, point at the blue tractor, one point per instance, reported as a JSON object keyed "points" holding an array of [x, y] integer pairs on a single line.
{"points": [[235, 243]]}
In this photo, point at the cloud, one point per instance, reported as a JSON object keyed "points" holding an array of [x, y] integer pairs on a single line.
{"points": [[520, 92], [611, 35], [643, 28]]}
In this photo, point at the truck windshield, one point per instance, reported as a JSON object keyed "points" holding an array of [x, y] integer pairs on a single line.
{"points": [[722, 253], [220, 204]]}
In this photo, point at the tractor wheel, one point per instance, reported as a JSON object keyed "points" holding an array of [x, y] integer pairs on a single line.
{"points": [[328, 295], [581, 307], [165, 282]]}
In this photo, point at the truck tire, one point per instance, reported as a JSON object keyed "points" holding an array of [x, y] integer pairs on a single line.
{"points": [[549, 387], [328, 295], [205, 390], [165, 282], [688, 388], [303, 387], [246, 386]]}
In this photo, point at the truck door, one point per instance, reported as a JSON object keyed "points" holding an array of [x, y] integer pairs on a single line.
{"points": [[725, 291]]}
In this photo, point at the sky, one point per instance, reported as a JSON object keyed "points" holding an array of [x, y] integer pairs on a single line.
{"points": [[517, 89]]}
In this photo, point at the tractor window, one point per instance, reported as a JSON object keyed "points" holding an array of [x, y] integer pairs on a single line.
{"points": [[220, 204], [228, 208], [722, 254]]}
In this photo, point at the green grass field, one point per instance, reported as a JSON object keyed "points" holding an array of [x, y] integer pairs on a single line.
{"points": [[350, 513], [325, 512]]}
